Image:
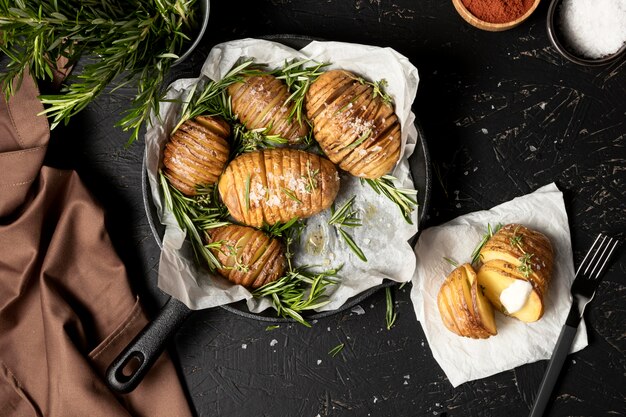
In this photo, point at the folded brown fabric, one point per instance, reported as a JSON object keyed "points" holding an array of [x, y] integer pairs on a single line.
{"points": [[66, 308]]}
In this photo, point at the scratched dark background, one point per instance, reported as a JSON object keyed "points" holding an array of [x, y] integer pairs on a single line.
{"points": [[503, 114]]}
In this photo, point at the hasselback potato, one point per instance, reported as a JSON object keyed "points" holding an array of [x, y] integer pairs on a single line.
{"points": [[356, 128], [261, 101], [196, 153], [516, 270], [247, 256], [276, 185]]}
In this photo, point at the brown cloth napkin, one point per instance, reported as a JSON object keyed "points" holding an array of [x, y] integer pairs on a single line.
{"points": [[66, 308]]}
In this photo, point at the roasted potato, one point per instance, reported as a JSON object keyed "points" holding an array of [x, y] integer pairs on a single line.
{"points": [[516, 270], [196, 153], [247, 256], [354, 127], [463, 308], [276, 185], [261, 101]]}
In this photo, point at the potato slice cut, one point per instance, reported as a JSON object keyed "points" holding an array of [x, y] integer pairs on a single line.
{"points": [[356, 129], [196, 153], [248, 256], [276, 185]]}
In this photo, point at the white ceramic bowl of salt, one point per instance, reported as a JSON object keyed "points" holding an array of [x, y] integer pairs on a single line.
{"points": [[588, 32]]}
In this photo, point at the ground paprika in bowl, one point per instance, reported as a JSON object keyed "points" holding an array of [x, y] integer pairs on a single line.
{"points": [[495, 15]]}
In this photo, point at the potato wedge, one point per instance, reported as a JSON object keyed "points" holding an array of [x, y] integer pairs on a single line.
{"points": [[248, 256], [462, 306], [276, 185], [356, 129], [196, 153], [261, 101], [514, 256]]}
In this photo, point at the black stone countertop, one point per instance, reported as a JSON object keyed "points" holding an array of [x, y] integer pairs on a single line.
{"points": [[503, 114]]}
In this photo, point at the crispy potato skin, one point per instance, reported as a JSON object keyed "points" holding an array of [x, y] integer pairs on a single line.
{"points": [[276, 185], [501, 257], [260, 102], [248, 256], [357, 130], [462, 306], [196, 153]]}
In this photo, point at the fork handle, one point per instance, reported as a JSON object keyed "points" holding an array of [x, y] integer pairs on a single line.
{"points": [[561, 350]]}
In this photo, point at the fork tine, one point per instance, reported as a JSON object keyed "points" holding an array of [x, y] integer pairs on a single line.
{"points": [[589, 252], [599, 268], [597, 257]]}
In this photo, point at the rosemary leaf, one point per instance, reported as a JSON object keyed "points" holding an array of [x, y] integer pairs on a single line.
{"points": [[336, 350], [490, 232], [391, 314], [401, 197]]}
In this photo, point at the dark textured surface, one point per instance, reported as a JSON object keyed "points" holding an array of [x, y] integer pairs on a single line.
{"points": [[503, 114]]}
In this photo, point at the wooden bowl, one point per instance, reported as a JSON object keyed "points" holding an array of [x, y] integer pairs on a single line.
{"points": [[488, 26]]}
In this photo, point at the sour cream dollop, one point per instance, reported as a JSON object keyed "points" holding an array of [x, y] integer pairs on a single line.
{"points": [[515, 296]]}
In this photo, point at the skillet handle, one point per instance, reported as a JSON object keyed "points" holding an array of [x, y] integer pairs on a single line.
{"points": [[132, 364]]}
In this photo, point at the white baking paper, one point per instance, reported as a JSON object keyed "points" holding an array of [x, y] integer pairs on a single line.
{"points": [[517, 343], [384, 235]]}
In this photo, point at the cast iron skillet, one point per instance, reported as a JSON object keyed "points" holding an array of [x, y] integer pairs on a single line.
{"points": [[129, 368]]}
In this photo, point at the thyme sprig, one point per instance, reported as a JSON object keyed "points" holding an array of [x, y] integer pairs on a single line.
{"points": [[299, 290], [404, 198], [483, 240], [195, 215], [122, 42], [298, 77], [525, 266], [347, 216]]}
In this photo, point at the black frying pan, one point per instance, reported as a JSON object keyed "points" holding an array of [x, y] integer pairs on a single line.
{"points": [[129, 368]]}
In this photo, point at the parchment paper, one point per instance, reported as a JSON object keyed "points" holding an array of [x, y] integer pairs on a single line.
{"points": [[384, 235], [517, 343]]}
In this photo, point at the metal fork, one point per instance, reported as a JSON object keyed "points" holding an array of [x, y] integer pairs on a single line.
{"points": [[588, 276]]}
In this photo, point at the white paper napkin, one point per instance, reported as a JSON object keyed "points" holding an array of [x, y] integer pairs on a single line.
{"points": [[517, 343]]}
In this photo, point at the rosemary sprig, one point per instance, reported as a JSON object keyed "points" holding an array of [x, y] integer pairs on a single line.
{"points": [[391, 314], [298, 78], [483, 241], [402, 197], [195, 215], [366, 134], [122, 42], [290, 232], [299, 290], [347, 216], [335, 351], [245, 140]]}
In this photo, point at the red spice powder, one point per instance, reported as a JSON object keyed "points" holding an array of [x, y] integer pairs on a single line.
{"points": [[498, 11]]}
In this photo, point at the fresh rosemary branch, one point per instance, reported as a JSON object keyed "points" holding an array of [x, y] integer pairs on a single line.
{"points": [[402, 197], [336, 350], [391, 314], [298, 78], [483, 241], [299, 290], [195, 215], [122, 42], [378, 89], [347, 216]]}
